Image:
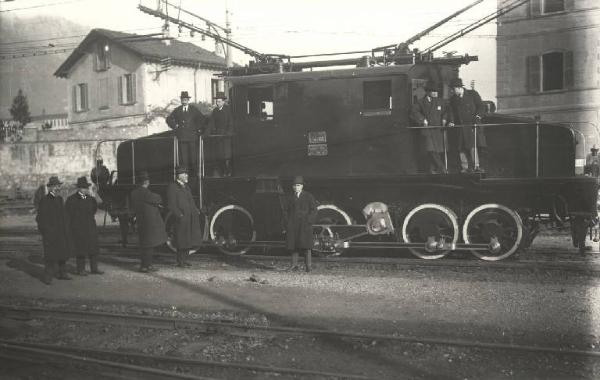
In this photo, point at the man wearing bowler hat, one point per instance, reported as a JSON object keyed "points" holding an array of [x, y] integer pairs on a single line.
{"points": [[81, 209], [182, 208], [221, 124], [466, 108], [52, 223], [150, 226], [429, 111], [301, 215], [188, 122]]}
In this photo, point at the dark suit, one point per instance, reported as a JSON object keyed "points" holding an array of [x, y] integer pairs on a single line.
{"points": [[187, 125], [81, 211], [433, 110], [463, 111], [187, 219], [52, 223], [218, 149], [150, 226], [301, 214]]}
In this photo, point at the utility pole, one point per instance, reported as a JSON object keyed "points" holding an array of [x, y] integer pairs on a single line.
{"points": [[228, 58]]}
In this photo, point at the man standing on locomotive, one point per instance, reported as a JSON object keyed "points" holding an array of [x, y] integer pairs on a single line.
{"points": [[52, 223], [187, 217], [188, 122], [301, 215], [466, 109], [430, 111], [150, 226], [81, 209], [221, 123]]}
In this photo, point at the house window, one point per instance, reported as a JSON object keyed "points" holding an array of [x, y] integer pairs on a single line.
{"points": [[80, 97], [551, 6], [102, 56], [215, 86], [377, 95], [550, 71], [260, 103], [103, 93], [127, 89]]}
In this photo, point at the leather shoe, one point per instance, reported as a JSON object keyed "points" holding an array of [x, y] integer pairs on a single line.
{"points": [[81, 273], [144, 270], [152, 269], [293, 268], [97, 272], [64, 277]]}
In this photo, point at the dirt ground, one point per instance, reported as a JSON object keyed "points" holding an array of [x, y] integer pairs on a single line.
{"points": [[523, 307]]}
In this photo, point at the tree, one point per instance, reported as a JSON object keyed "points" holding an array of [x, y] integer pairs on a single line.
{"points": [[20, 109]]}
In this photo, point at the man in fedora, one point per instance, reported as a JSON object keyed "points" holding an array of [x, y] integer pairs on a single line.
{"points": [[301, 215], [52, 223], [429, 111], [188, 122], [81, 209], [182, 208], [466, 108], [150, 226], [221, 124]]}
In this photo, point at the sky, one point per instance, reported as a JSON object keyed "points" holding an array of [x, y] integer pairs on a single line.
{"points": [[296, 27]]}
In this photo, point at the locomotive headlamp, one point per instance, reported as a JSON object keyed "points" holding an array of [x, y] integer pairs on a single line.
{"points": [[378, 218]]}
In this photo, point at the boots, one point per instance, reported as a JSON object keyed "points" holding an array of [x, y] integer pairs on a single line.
{"points": [[80, 263], [94, 265], [308, 260], [294, 266], [48, 272], [181, 258], [62, 271]]}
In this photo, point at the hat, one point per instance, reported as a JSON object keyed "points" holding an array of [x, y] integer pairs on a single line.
{"points": [[456, 82], [220, 95], [181, 170], [82, 183], [143, 176], [100, 160], [298, 180], [184, 94], [594, 148], [431, 86], [53, 181]]}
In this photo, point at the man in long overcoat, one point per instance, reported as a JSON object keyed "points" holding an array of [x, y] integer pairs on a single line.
{"points": [[301, 215], [180, 203], [221, 123], [150, 225], [81, 210], [53, 225], [466, 108], [430, 111], [188, 122]]}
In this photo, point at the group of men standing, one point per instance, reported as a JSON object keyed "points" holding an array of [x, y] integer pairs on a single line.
{"points": [[464, 109]]}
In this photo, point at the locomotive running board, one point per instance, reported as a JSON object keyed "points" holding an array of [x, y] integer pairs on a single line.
{"points": [[373, 245]]}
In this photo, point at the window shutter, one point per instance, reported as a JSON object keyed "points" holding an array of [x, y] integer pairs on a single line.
{"points": [[108, 57], [533, 74], [535, 8], [568, 69], [120, 89], [133, 85], [97, 58], [84, 96], [74, 98]]}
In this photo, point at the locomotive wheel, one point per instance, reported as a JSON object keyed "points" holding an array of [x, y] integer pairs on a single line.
{"points": [[329, 214], [430, 221], [493, 224], [230, 227]]}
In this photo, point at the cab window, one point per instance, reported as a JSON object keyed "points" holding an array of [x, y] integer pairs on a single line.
{"points": [[260, 103]]}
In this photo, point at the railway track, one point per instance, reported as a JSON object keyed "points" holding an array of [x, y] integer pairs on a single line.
{"points": [[237, 329]]}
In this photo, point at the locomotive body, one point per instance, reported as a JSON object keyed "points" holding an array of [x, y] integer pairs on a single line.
{"points": [[348, 133]]}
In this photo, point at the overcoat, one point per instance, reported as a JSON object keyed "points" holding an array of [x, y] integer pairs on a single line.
{"points": [[52, 223], [220, 123], [433, 110], [301, 215], [462, 111], [187, 219], [82, 224], [150, 225], [187, 125]]}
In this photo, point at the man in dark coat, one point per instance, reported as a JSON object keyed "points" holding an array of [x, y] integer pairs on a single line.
{"points": [[221, 124], [100, 176], [150, 225], [466, 109], [180, 203], [301, 215], [429, 111], [53, 225], [81, 209], [188, 122]]}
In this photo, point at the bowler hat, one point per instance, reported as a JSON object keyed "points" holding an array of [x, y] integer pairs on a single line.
{"points": [[184, 94], [143, 176], [298, 180], [456, 82], [431, 86], [594, 149], [53, 181], [82, 183], [220, 95], [181, 170]]}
